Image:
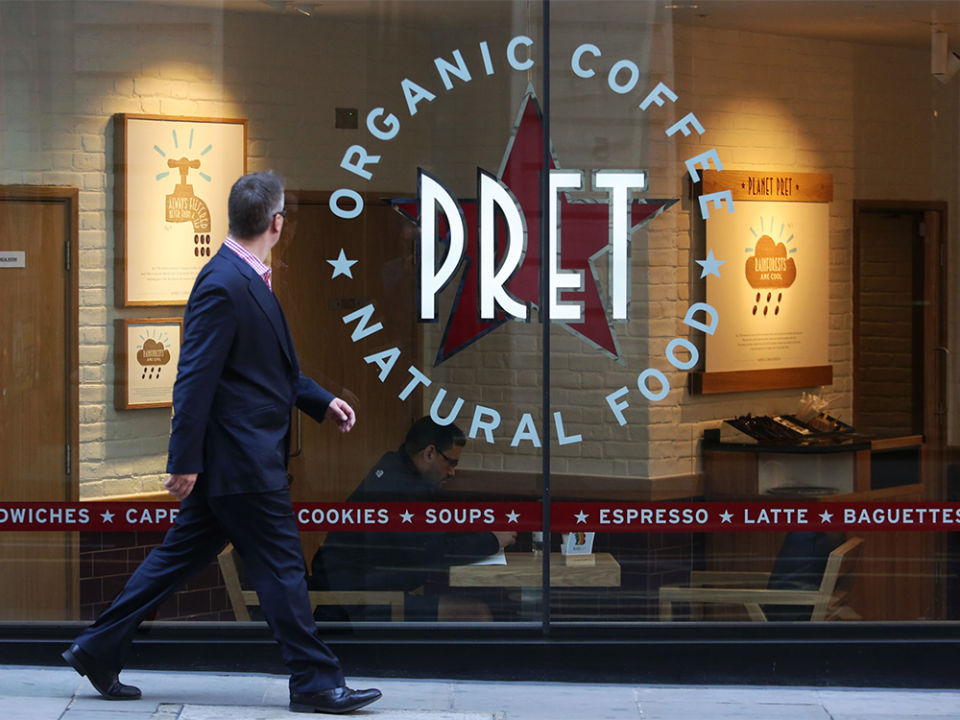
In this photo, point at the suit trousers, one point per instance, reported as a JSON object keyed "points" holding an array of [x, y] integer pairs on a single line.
{"points": [[263, 529]]}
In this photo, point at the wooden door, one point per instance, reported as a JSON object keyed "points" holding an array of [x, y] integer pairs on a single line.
{"points": [[899, 258], [39, 396], [330, 465]]}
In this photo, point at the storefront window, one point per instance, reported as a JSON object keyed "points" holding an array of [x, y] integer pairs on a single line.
{"points": [[736, 222]]}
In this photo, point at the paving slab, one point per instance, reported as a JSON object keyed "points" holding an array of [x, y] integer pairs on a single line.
{"points": [[179, 688], [397, 694], [72, 714], [732, 710], [553, 701], [204, 712], [906, 703], [859, 716], [35, 682], [741, 694], [32, 708]]}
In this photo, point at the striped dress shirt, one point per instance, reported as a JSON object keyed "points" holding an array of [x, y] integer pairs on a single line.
{"points": [[251, 260]]}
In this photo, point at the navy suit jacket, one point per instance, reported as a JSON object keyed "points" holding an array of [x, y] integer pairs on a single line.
{"points": [[237, 381]]}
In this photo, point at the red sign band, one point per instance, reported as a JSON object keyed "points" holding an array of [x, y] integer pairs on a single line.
{"points": [[523, 517]]}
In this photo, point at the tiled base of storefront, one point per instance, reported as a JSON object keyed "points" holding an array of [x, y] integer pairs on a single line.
{"points": [[904, 655], [647, 561], [107, 560]]}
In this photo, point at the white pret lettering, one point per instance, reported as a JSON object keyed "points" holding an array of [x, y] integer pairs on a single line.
{"points": [[493, 194], [432, 280], [559, 280], [619, 186]]}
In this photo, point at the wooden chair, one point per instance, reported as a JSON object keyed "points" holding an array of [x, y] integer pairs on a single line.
{"points": [[750, 589], [231, 563]]}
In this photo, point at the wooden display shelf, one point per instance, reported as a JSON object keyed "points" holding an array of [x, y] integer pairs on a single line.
{"points": [[706, 383]]}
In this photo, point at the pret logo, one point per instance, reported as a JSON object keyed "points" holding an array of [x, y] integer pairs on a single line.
{"points": [[492, 242]]}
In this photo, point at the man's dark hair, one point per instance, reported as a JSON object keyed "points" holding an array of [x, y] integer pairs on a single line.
{"points": [[427, 432], [254, 201]]}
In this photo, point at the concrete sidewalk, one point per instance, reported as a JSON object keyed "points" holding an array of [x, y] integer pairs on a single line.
{"points": [[28, 693]]}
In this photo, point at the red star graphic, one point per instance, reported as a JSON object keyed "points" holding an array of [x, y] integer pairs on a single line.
{"points": [[585, 227]]}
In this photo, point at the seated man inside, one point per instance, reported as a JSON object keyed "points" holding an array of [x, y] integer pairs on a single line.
{"points": [[404, 561]]}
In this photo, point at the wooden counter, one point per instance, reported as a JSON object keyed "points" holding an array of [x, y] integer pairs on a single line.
{"points": [[526, 570], [896, 576]]}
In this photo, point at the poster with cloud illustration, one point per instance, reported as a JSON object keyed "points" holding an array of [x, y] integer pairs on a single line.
{"points": [[148, 351], [173, 180], [773, 296]]}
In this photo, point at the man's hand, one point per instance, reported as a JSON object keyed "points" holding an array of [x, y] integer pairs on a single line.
{"points": [[180, 485], [506, 539], [342, 414]]}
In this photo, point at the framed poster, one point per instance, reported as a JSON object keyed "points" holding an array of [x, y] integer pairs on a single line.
{"points": [[146, 357], [773, 298], [173, 178]]}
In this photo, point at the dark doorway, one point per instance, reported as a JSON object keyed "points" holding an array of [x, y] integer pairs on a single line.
{"points": [[899, 352]]}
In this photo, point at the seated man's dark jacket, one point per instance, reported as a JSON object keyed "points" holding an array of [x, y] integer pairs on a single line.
{"points": [[394, 560]]}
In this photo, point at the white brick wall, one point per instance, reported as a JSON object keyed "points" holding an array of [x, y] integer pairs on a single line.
{"points": [[85, 61], [863, 113]]}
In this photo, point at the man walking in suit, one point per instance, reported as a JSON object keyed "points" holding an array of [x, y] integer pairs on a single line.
{"points": [[237, 382]]}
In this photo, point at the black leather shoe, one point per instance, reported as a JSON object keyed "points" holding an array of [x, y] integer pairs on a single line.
{"points": [[106, 681], [337, 701]]}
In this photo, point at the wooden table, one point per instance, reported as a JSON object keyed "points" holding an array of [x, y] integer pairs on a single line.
{"points": [[523, 570]]}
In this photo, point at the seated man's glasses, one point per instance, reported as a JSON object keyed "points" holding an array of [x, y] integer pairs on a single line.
{"points": [[452, 463]]}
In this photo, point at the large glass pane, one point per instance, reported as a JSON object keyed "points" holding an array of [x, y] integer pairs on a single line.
{"points": [[145, 113], [780, 374]]}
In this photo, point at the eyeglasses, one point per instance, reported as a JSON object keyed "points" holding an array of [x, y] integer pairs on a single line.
{"points": [[452, 463], [282, 213]]}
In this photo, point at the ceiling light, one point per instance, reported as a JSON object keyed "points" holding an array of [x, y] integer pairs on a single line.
{"points": [[304, 9]]}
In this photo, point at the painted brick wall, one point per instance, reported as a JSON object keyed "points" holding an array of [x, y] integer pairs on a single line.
{"points": [[64, 73]]}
